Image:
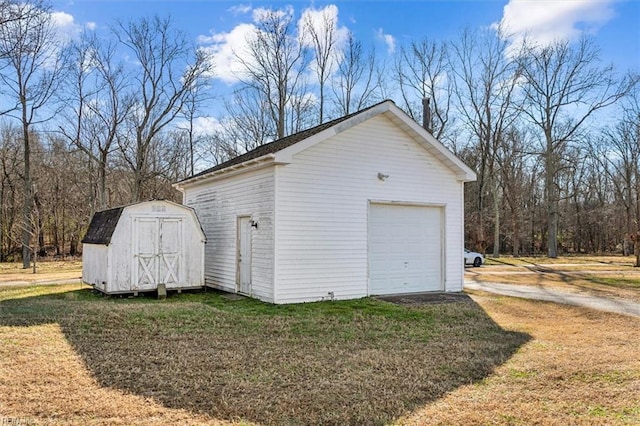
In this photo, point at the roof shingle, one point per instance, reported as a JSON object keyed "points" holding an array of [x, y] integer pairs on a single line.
{"points": [[102, 225], [278, 145]]}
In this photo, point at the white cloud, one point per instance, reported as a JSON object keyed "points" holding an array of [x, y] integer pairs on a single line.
{"points": [[224, 49], [388, 39], [322, 21], [317, 18], [240, 9], [543, 22], [262, 14], [206, 125], [91, 26], [66, 26], [62, 19]]}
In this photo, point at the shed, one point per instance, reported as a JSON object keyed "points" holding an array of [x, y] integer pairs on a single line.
{"points": [[135, 248], [367, 204]]}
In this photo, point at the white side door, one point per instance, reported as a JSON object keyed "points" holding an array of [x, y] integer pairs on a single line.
{"points": [[243, 267]]}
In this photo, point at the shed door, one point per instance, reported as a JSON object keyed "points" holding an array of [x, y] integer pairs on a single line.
{"points": [[405, 249], [170, 248], [244, 255], [158, 244]]}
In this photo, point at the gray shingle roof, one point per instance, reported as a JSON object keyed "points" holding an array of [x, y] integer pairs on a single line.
{"points": [[102, 225], [280, 144]]}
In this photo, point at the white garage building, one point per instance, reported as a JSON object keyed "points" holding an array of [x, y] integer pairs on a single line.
{"points": [[135, 248], [367, 204]]}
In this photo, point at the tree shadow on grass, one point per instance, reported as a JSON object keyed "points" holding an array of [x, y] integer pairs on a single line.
{"points": [[352, 362]]}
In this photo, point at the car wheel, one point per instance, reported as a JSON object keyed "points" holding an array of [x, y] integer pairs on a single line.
{"points": [[477, 262]]}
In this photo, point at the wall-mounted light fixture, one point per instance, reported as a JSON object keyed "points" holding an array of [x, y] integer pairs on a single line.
{"points": [[382, 176], [254, 223]]}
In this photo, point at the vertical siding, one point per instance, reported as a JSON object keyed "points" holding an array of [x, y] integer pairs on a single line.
{"points": [[114, 264], [94, 265], [322, 206], [121, 254], [190, 261], [218, 205]]}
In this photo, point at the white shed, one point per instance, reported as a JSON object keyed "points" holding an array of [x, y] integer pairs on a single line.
{"points": [[135, 248], [367, 204]]}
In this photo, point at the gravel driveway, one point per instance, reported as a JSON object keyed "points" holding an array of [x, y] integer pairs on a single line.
{"points": [[619, 306]]}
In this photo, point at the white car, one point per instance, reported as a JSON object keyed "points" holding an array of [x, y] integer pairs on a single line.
{"points": [[473, 258]]}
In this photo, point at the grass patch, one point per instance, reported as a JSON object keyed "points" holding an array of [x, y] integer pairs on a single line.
{"points": [[606, 276], [581, 367], [572, 259], [616, 282], [350, 362], [46, 270]]}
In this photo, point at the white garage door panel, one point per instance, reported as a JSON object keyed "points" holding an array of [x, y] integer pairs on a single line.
{"points": [[405, 249]]}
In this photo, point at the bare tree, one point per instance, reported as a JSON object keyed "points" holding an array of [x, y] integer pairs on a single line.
{"points": [[616, 150], [512, 162], [273, 65], [10, 164], [322, 37], [484, 86], [357, 80], [248, 123], [30, 74], [564, 86], [168, 68], [97, 103], [195, 97], [422, 72]]}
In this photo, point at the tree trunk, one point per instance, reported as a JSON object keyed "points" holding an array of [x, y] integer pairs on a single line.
{"points": [[496, 229], [552, 205], [102, 175], [39, 227], [26, 208]]}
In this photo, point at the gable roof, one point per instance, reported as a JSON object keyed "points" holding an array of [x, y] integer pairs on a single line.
{"points": [[281, 150], [102, 225], [275, 146]]}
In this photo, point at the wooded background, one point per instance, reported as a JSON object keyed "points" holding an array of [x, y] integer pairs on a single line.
{"points": [[94, 122]]}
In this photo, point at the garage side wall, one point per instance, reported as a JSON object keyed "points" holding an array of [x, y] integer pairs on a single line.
{"points": [[323, 198], [218, 205]]}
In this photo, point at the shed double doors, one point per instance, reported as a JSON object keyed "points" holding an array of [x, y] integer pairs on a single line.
{"points": [[157, 248]]}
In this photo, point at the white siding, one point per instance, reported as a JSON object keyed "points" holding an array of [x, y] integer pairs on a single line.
{"points": [[218, 205], [323, 198], [95, 265], [190, 262]]}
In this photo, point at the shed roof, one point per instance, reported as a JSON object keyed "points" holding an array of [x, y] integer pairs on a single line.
{"points": [[102, 225]]}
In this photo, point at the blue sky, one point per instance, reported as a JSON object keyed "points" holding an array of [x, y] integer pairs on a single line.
{"points": [[223, 26], [614, 23]]}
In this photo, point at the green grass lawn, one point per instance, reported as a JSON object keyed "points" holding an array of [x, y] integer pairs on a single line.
{"points": [[349, 362]]}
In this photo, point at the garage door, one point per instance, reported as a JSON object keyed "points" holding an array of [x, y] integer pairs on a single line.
{"points": [[405, 249]]}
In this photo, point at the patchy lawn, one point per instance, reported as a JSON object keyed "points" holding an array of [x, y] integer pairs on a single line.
{"points": [[600, 276], [46, 270], [69, 356], [574, 259], [581, 367]]}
